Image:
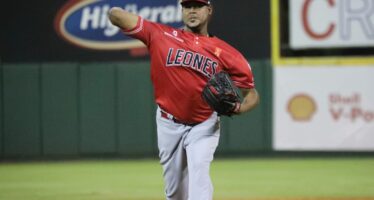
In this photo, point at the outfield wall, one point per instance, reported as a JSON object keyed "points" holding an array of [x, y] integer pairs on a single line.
{"points": [[79, 109]]}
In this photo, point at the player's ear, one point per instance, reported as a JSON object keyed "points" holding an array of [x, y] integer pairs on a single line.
{"points": [[210, 9]]}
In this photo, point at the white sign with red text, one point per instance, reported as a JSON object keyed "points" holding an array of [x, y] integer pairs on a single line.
{"points": [[331, 23], [324, 108]]}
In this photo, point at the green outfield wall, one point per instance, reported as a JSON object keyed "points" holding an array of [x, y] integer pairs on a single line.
{"points": [[83, 109]]}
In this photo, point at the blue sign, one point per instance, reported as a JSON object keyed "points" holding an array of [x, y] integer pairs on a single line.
{"points": [[85, 23]]}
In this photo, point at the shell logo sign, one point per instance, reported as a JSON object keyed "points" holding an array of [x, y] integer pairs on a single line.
{"points": [[85, 24], [302, 107]]}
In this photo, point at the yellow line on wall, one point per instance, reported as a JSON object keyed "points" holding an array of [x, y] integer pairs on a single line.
{"points": [[275, 32]]}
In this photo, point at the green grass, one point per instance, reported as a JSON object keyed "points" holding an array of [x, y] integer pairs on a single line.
{"points": [[295, 178], [142, 179]]}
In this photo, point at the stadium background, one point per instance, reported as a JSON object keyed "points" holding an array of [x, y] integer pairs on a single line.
{"points": [[59, 101]]}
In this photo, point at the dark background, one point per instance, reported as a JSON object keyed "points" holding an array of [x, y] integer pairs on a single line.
{"points": [[28, 35]]}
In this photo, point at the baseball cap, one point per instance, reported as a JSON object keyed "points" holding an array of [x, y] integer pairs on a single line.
{"points": [[207, 2]]}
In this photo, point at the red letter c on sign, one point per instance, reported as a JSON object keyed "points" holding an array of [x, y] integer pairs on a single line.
{"points": [[308, 29]]}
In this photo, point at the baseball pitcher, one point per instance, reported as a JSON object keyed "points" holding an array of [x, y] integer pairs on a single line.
{"points": [[195, 76]]}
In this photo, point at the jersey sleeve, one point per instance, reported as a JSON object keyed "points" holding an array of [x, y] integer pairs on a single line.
{"points": [[241, 72], [144, 31]]}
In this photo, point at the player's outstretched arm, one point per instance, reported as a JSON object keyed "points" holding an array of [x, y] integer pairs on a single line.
{"points": [[250, 100], [123, 19]]}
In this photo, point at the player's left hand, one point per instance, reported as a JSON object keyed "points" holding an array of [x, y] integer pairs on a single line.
{"points": [[222, 95]]}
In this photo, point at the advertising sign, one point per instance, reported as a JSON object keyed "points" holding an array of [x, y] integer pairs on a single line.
{"points": [[79, 30], [331, 23], [329, 108], [86, 24]]}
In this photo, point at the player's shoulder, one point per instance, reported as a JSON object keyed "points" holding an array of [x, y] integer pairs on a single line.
{"points": [[226, 46]]}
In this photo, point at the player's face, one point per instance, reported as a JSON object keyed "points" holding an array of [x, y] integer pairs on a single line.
{"points": [[196, 15]]}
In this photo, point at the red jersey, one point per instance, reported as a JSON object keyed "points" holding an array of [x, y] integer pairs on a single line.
{"points": [[181, 64]]}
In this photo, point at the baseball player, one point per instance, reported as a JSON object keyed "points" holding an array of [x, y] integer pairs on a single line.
{"points": [[182, 61]]}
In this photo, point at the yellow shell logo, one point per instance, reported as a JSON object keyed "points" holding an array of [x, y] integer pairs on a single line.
{"points": [[301, 107]]}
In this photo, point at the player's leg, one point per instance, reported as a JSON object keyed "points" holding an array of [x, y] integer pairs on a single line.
{"points": [[173, 158], [175, 173], [201, 144]]}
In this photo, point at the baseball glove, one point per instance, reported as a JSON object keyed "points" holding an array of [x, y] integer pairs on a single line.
{"points": [[221, 94]]}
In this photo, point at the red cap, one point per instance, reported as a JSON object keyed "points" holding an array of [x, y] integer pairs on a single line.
{"points": [[207, 2]]}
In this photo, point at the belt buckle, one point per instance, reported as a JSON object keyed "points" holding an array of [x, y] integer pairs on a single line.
{"points": [[166, 115]]}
